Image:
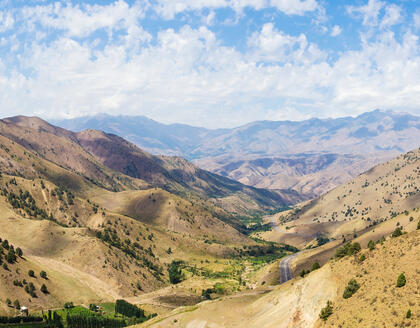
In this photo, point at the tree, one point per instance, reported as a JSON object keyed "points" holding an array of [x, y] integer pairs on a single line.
{"points": [[418, 225], [408, 315], [315, 266], [16, 304], [362, 257], [351, 288], [44, 289], [19, 252], [175, 273], [8, 302], [371, 245], [326, 311], [11, 256], [401, 280], [31, 273], [397, 232], [43, 274]]}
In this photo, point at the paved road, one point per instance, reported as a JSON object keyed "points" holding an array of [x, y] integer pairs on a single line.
{"points": [[285, 271]]}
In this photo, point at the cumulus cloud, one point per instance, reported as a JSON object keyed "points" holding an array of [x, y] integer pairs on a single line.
{"points": [[190, 75], [272, 45]]}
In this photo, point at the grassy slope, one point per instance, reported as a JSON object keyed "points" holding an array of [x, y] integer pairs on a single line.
{"points": [[378, 195]]}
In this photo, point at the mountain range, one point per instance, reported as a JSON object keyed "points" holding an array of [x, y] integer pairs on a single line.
{"points": [[310, 157]]}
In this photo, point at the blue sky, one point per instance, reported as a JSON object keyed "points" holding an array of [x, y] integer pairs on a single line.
{"points": [[213, 63]]}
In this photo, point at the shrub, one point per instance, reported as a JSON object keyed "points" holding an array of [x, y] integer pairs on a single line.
{"points": [[351, 288], [68, 305], [31, 273], [371, 245], [326, 311], [362, 257], [44, 289], [418, 225], [315, 266], [8, 302], [16, 304], [408, 315], [347, 249], [397, 232], [401, 280]]}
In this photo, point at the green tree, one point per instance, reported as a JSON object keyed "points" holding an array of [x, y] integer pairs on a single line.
{"points": [[397, 232], [11, 256], [401, 280], [326, 311], [16, 304], [408, 315], [371, 245], [362, 257], [315, 266], [43, 274], [175, 272], [44, 289], [31, 273], [351, 288]]}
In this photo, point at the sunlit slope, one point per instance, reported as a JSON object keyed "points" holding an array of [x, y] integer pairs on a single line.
{"points": [[378, 195], [298, 303]]}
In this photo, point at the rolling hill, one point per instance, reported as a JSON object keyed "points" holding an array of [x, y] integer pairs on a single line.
{"points": [[101, 234]]}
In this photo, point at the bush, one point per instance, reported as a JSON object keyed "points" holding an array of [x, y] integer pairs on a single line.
{"points": [[16, 304], [347, 249], [315, 266], [371, 245], [326, 311], [362, 257], [397, 232], [351, 288], [408, 315], [401, 280], [68, 305], [44, 289]]}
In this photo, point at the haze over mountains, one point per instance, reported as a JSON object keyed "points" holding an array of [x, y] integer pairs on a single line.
{"points": [[311, 156]]}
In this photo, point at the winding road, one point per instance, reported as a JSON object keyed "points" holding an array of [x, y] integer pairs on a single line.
{"points": [[285, 270]]}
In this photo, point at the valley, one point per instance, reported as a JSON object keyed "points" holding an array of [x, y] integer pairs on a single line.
{"points": [[106, 221]]}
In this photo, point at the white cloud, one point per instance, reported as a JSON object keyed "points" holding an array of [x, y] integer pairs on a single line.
{"points": [[189, 75], [369, 12], [169, 8], [295, 7], [6, 21], [336, 30], [81, 21], [275, 46], [392, 16]]}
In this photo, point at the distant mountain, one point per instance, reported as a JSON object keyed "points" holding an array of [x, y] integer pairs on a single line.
{"points": [[311, 156], [98, 155]]}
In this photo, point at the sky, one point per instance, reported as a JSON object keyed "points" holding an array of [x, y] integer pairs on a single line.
{"points": [[211, 63]]}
